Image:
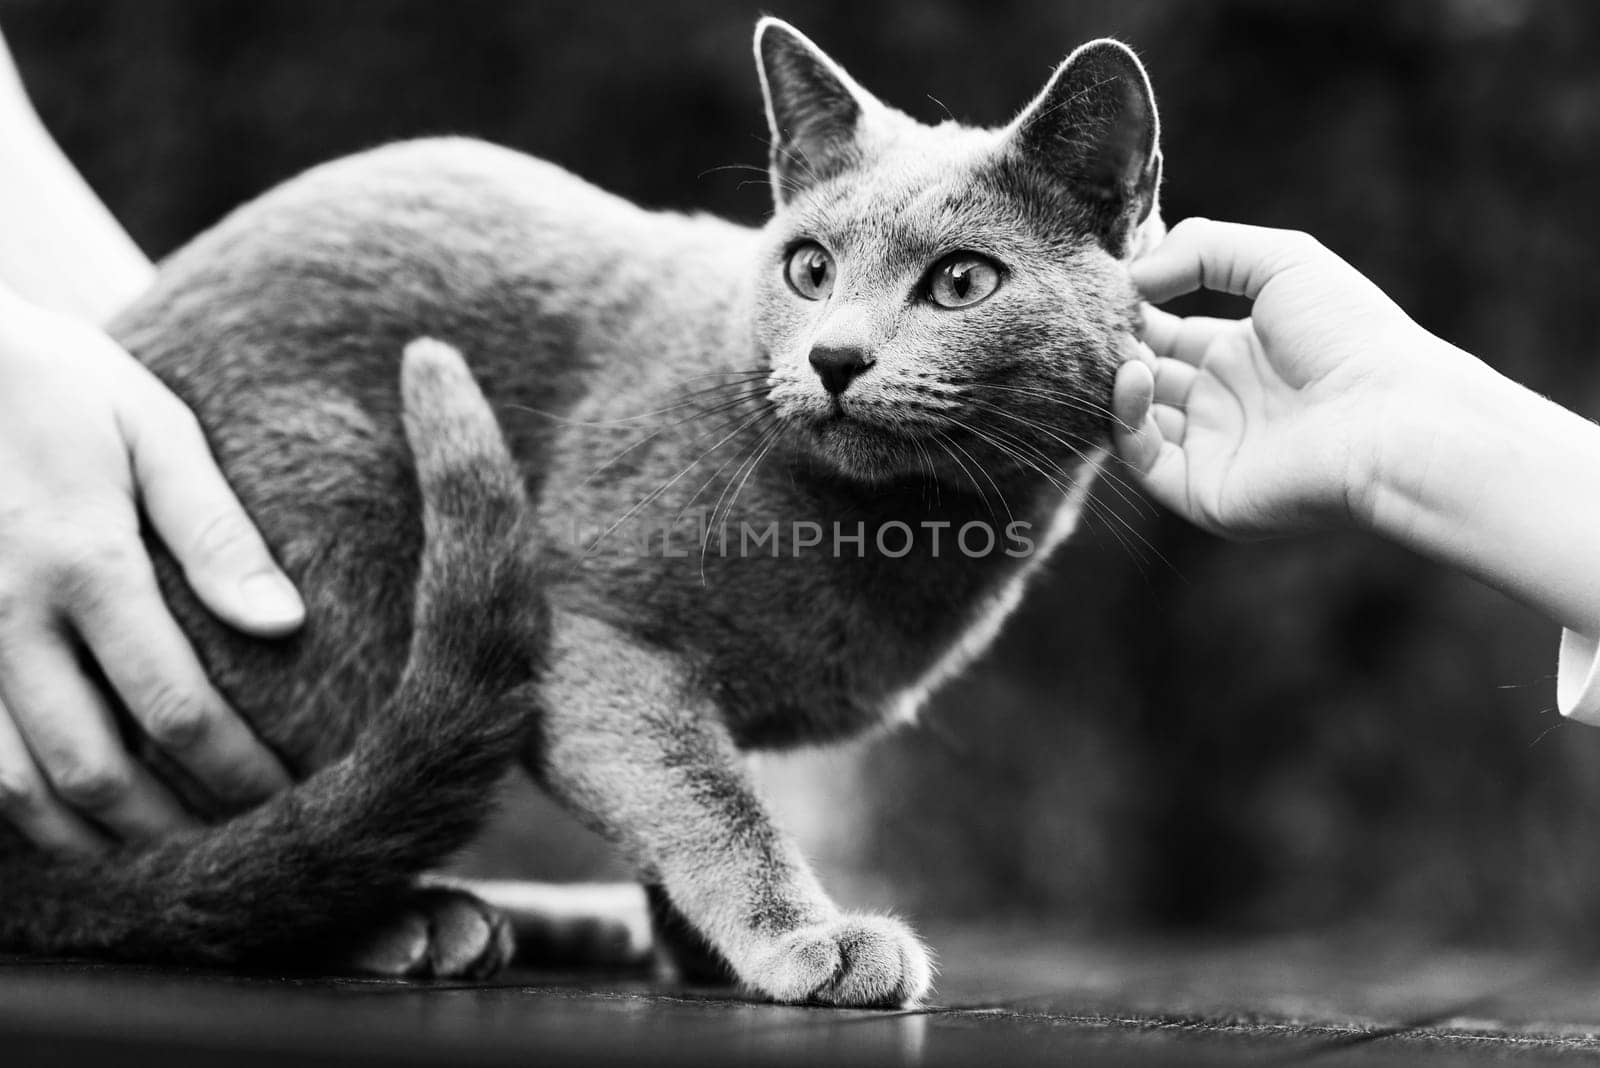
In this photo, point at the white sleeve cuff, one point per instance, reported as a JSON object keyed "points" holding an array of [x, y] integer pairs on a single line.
{"points": [[1578, 680]]}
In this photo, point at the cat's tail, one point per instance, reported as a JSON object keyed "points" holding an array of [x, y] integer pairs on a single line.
{"points": [[318, 859]]}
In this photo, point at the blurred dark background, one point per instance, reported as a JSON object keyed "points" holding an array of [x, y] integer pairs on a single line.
{"points": [[1178, 733]]}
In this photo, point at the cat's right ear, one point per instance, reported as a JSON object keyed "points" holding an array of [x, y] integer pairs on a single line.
{"points": [[814, 109]]}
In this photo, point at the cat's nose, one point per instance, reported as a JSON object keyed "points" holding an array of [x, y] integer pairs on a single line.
{"points": [[838, 367]]}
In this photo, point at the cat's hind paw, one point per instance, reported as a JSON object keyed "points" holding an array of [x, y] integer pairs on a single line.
{"points": [[853, 961], [440, 932]]}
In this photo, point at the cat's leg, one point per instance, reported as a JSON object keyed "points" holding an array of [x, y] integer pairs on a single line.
{"points": [[438, 931], [681, 945], [623, 740]]}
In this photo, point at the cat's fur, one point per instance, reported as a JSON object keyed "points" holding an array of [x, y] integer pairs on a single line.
{"points": [[579, 314]]}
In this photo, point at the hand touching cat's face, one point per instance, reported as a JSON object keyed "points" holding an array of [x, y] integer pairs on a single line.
{"points": [[947, 300]]}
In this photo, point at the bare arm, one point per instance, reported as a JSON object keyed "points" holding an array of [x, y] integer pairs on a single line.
{"points": [[59, 246], [1330, 406], [89, 440]]}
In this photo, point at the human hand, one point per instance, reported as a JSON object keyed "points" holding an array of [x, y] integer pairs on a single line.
{"points": [[1275, 423], [88, 437]]}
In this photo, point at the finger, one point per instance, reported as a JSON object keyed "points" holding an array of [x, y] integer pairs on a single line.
{"points": [[1186, 338], [1173, 380], [1132, 393], [1131, 348], [73, 737], [1226, 257], [1134, 434], [1166, 479], [201, 521], [27, 803], [1161, 465], [1171, 421], [152, 667]]}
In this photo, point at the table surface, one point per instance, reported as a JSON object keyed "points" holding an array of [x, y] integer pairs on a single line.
{"points": [[1005, 997]]}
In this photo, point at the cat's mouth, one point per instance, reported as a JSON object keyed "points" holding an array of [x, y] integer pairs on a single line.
{"points": [[861, 441], [850, 419]]}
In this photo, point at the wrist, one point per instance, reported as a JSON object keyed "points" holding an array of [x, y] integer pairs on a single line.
{"points": [[1443, 423], [1485, 475]]}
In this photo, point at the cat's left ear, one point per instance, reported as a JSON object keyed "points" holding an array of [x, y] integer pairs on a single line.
{"points": [[1095, 130], [815, 110]]}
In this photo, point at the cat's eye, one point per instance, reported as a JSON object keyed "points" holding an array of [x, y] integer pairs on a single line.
{"points": [[810, 271], [962, 279]]}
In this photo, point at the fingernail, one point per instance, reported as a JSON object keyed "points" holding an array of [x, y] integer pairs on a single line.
{"points": [[271, 600]]}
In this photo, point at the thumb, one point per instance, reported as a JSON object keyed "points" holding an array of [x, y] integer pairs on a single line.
{"points": [[201, 521]]}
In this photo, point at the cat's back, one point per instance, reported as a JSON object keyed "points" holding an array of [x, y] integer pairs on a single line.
{"points": [[532, 271], [401, 229], [282, 328]]}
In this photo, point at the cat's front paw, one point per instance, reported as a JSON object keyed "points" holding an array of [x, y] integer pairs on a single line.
{"points": [[853, 961]]}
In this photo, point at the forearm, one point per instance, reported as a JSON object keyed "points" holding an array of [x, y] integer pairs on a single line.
{"points": [[59, 245], [1486, 475]]}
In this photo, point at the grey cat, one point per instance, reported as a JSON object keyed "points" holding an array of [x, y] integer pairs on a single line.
{"points": [[743, 448]]}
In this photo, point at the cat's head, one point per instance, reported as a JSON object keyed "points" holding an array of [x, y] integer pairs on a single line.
{"points": [[947, 299]]}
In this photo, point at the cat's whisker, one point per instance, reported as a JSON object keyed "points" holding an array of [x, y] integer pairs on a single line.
{"points": [[725, 404], [1110, 514], [1050, 396], [1055, 433], [759, 452], [790, 186], [1021, 457], [985, 471], [945, 443], [930, 474], [1120, 486], [1130, 542], [1024, 453], [620, 422], [729, 373], [717, 508], [743, 379], [707, 483], [794, 154], [669, 426], [1067, 101], [740, 379], [1023, 449], [711, 515], [733, 167], [656, 493]]}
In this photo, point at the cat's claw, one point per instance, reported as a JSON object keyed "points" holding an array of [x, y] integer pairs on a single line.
{"points": [[853, 961], [440, 933]]}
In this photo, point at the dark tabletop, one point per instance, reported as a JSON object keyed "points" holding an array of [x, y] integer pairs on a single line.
{"points": [[1013, 997]]}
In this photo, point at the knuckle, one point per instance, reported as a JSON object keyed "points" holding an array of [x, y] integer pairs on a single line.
{"points": [[20, 793], [1303, 244], [243, 787], [86, 561], [226, 536], [176, 418], [153, 408], [92, 785], [175, 718]]}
